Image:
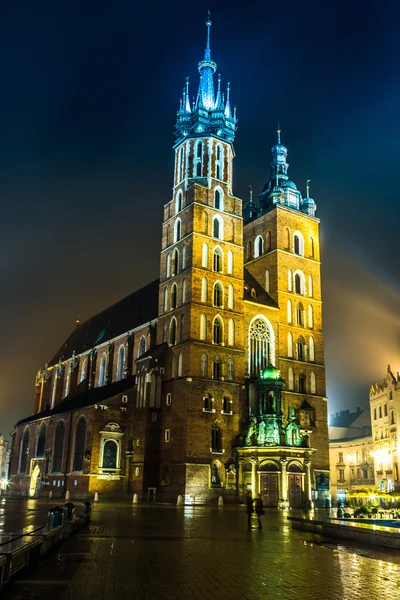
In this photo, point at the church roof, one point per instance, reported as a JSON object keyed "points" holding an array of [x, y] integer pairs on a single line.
{"points": [[123, 316], [258, 295], [82, 397]]}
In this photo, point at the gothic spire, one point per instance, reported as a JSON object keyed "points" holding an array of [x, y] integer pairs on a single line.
{"points": [[207, 68]]}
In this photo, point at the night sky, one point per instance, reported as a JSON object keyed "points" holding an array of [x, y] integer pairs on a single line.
{"points": [[88, 98]]}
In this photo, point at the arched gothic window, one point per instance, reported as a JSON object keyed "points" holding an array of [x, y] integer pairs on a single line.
{"points": [[291, 379], [290, 280], [175, 262], [269, 243], [217, 199], [24, 452], [260, 345], [230, 262], [312, 247], [215, 476], [204, 258], [83, 370], [231, 369], [142, 346], [310, 286], [177, 230], [310, 316], [219, 162], [203, 326], [313, 383], [172, 332], [204, 365], [302, 384], [217, 260], [102, 370], [165, 299], [258, 246], [218, 228], [178, 204], [216, 368], [199, 159], [121, 363], [174, 296], [218, 294], [231, 332], [311, 349], [267, 281], [289, 311], [216, 439], [290, 345], [184, 257], [231, 296], [204, 289], [299, 283], [301, 352], [180, 364], [300, 315], [168, 265], [80, 440], [58, 447], [184, 291], [180, 164], [298, 244], [41, 443], [218, 331]]}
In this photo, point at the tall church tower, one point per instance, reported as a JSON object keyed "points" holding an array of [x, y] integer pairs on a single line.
{"points": [[201, 293]]}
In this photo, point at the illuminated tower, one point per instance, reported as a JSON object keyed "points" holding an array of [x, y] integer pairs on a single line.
{"points": [[201, 292], [281, 239]]}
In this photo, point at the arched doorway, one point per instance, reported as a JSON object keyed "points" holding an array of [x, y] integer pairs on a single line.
{"points": [[295, 485], [34, 486], [269, 488]]}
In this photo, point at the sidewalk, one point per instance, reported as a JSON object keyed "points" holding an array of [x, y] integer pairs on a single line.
{"points": [[200, 553]]}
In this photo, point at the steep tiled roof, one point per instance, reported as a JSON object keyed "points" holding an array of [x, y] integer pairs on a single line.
{"points": [[261, 296], [82, 397], [127, 314]]}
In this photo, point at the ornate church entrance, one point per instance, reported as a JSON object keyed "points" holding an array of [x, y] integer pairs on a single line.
{"points": [[295, 486], [269, 489]]}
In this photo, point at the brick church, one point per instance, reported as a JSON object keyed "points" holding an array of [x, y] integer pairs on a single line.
{"points": [[209, 381]]}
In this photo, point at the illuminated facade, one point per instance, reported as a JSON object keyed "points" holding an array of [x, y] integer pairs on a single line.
{"points": [[384, 399], [209, 381]]}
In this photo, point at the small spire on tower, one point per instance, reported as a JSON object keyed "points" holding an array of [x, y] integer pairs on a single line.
{"points": [[228, 105], [308, 187], [278, 131], [187, 101], [218, 99]]}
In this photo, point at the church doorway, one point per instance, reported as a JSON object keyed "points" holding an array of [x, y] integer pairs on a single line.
{"points": [[295, 486], [34, 486], [269, 488]]}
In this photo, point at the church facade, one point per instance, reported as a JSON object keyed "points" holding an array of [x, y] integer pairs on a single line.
{"points": [[209, 381]]}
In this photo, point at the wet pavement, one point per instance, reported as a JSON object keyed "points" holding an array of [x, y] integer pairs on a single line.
{"points": [[154, 552]]}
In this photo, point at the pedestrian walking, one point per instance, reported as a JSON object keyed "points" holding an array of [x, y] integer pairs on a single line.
{"points": [[259, 510], [249, 508]]}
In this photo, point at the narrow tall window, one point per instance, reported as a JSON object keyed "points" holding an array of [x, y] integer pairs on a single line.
{"points": [[204, 365], [184, 291], [226, 405], [267, 281], [177, 230], [219, 162], [216, 368], [258, 246], [217, 199], [230, 262], [231, 369], [180, 364], [216, 441], [180, 164], [204, 261], [313, 383], [300, 349], [203, 326], [168, 265], [204, 289], [291, 379], [121, 363], [58, 447], [289, 311], [217, 262], [165, 299], [67, 380], [269, 242], [312, 247], [24, 452], [297, 284], [290, 345], [184, 257], [218, 295], [310, 286], [218, 331], [311, 349], [231, 296], [80, 440], [102, 370], [231, 332], [83, 371], [300, 315], [218, 228], [199, 159], [174, 296], [302, 384], [178, 204], [290, 280], [175, 262], [172, 332], [298, 244], [310, 316]]}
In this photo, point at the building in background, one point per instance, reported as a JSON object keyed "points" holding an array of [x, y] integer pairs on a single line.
{"points": [[384, 400], [211, 380], [5, 451], [350, 452]]}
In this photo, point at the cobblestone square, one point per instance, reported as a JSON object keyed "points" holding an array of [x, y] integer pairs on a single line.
{"points": [[153, 552]]}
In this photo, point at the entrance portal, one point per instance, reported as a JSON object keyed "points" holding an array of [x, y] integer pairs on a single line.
{"points": [[269, 489], [34, 486], [295, 486]]}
